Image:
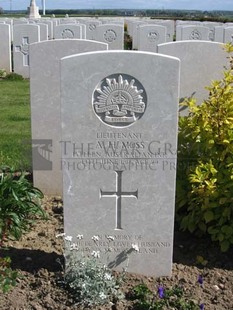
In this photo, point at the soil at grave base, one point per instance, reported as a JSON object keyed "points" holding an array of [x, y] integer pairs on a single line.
{"points": [[36, 254]]}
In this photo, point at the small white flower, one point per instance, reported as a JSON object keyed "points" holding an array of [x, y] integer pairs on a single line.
{"points": [[60, 235], [103, 296], [79, 237], [110, 238], [95, 254], [73, 246], [95, 238], [107, 276], [68, 238], [135, 247], [83, 285]]}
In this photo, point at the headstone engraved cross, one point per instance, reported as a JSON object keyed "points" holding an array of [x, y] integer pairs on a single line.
{"points": [[118, 194], [24, 35], [24, 49]]}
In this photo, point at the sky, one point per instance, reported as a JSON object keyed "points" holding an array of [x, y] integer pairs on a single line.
{"points": [[123, 4]]}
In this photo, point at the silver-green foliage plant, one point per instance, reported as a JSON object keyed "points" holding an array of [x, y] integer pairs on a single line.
{"points": [[3, 73], [205, 163], [87, 279]]}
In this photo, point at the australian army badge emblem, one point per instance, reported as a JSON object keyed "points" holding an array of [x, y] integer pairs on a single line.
{"points": [[119, 100]]}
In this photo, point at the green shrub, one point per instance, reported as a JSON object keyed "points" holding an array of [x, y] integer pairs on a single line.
{"points": [[19, 205], [19, 208], [204, 204], [162, 299], [8, 276], [13, 77]]}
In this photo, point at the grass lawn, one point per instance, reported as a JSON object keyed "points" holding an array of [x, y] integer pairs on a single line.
{"points": [[15, 124]]}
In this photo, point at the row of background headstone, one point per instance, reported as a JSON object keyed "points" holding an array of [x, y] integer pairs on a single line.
{"points": [[146, 35], [207, 58], [213, 31]]}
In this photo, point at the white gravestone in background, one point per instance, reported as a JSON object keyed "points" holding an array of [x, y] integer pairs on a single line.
{"points": [[113, 35], [91, 26], [170, 27], [228, 35], [5, 47], [119, 137], [135, 27], [49, 23], [211, 26], [218, 34], [66, 31], [149, 36], [44, 34], [23, 36], [201, 63], [45, 96], [195, 33]]}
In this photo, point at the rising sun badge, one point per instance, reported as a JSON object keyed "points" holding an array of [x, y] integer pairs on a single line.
{"points": [[119, 100]]}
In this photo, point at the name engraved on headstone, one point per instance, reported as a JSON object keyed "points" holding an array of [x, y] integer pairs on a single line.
{"points": [[118, 152], [118, 194]]}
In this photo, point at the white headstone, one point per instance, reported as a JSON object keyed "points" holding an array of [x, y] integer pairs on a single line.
{"points": [[45, 96], [211, 26], [5, 47], [195, 33], [201, 63], [91, 28], [135, 27], [149, 36], [228, 35], [113, 35], [23, 36], [67, 31], [49, 23], [181, 24], [219, 34], [119, 131], [170, 27], [44, 34]]}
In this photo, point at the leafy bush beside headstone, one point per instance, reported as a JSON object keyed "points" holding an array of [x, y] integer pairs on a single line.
{"points": [[19, 208], [13, 77], [205, 163], [19, 205]]}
